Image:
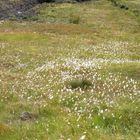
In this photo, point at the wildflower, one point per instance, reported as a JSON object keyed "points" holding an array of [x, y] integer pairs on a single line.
{"points": [[82, 137]]}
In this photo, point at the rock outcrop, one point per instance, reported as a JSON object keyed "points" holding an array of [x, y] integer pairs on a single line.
{"points": [[17, 10], [23, 9]]}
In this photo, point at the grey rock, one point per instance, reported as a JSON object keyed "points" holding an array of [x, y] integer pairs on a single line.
{"points": [[25, 116]]}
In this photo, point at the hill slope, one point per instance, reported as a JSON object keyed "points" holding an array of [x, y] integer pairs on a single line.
{"points": [[71, 72]]}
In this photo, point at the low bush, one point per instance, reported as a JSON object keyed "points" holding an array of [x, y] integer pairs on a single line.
{"points": [[74, 19], [79, 83]]}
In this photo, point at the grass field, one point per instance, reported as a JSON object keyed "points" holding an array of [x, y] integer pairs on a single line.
{"points": [[76, 69]]}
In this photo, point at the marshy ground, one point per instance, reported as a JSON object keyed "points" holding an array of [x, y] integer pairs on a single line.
{"points": [[71, 72]]}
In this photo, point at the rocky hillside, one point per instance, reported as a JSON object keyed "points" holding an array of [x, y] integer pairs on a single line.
{"points": [[22, 9], [71, 71], [17, 9]]}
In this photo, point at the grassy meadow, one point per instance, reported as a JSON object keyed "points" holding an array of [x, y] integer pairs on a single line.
{"points": [[76, 69]]}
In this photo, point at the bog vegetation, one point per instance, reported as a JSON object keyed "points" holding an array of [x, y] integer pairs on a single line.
{"points": [[71, 71]]}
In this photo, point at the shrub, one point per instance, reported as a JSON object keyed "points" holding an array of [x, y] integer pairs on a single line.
{"points": [[75, 19], [122, 6], [82, 83], [119, 4]]}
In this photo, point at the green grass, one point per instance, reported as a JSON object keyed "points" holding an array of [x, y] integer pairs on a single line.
{"points": [[41, 57]]}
